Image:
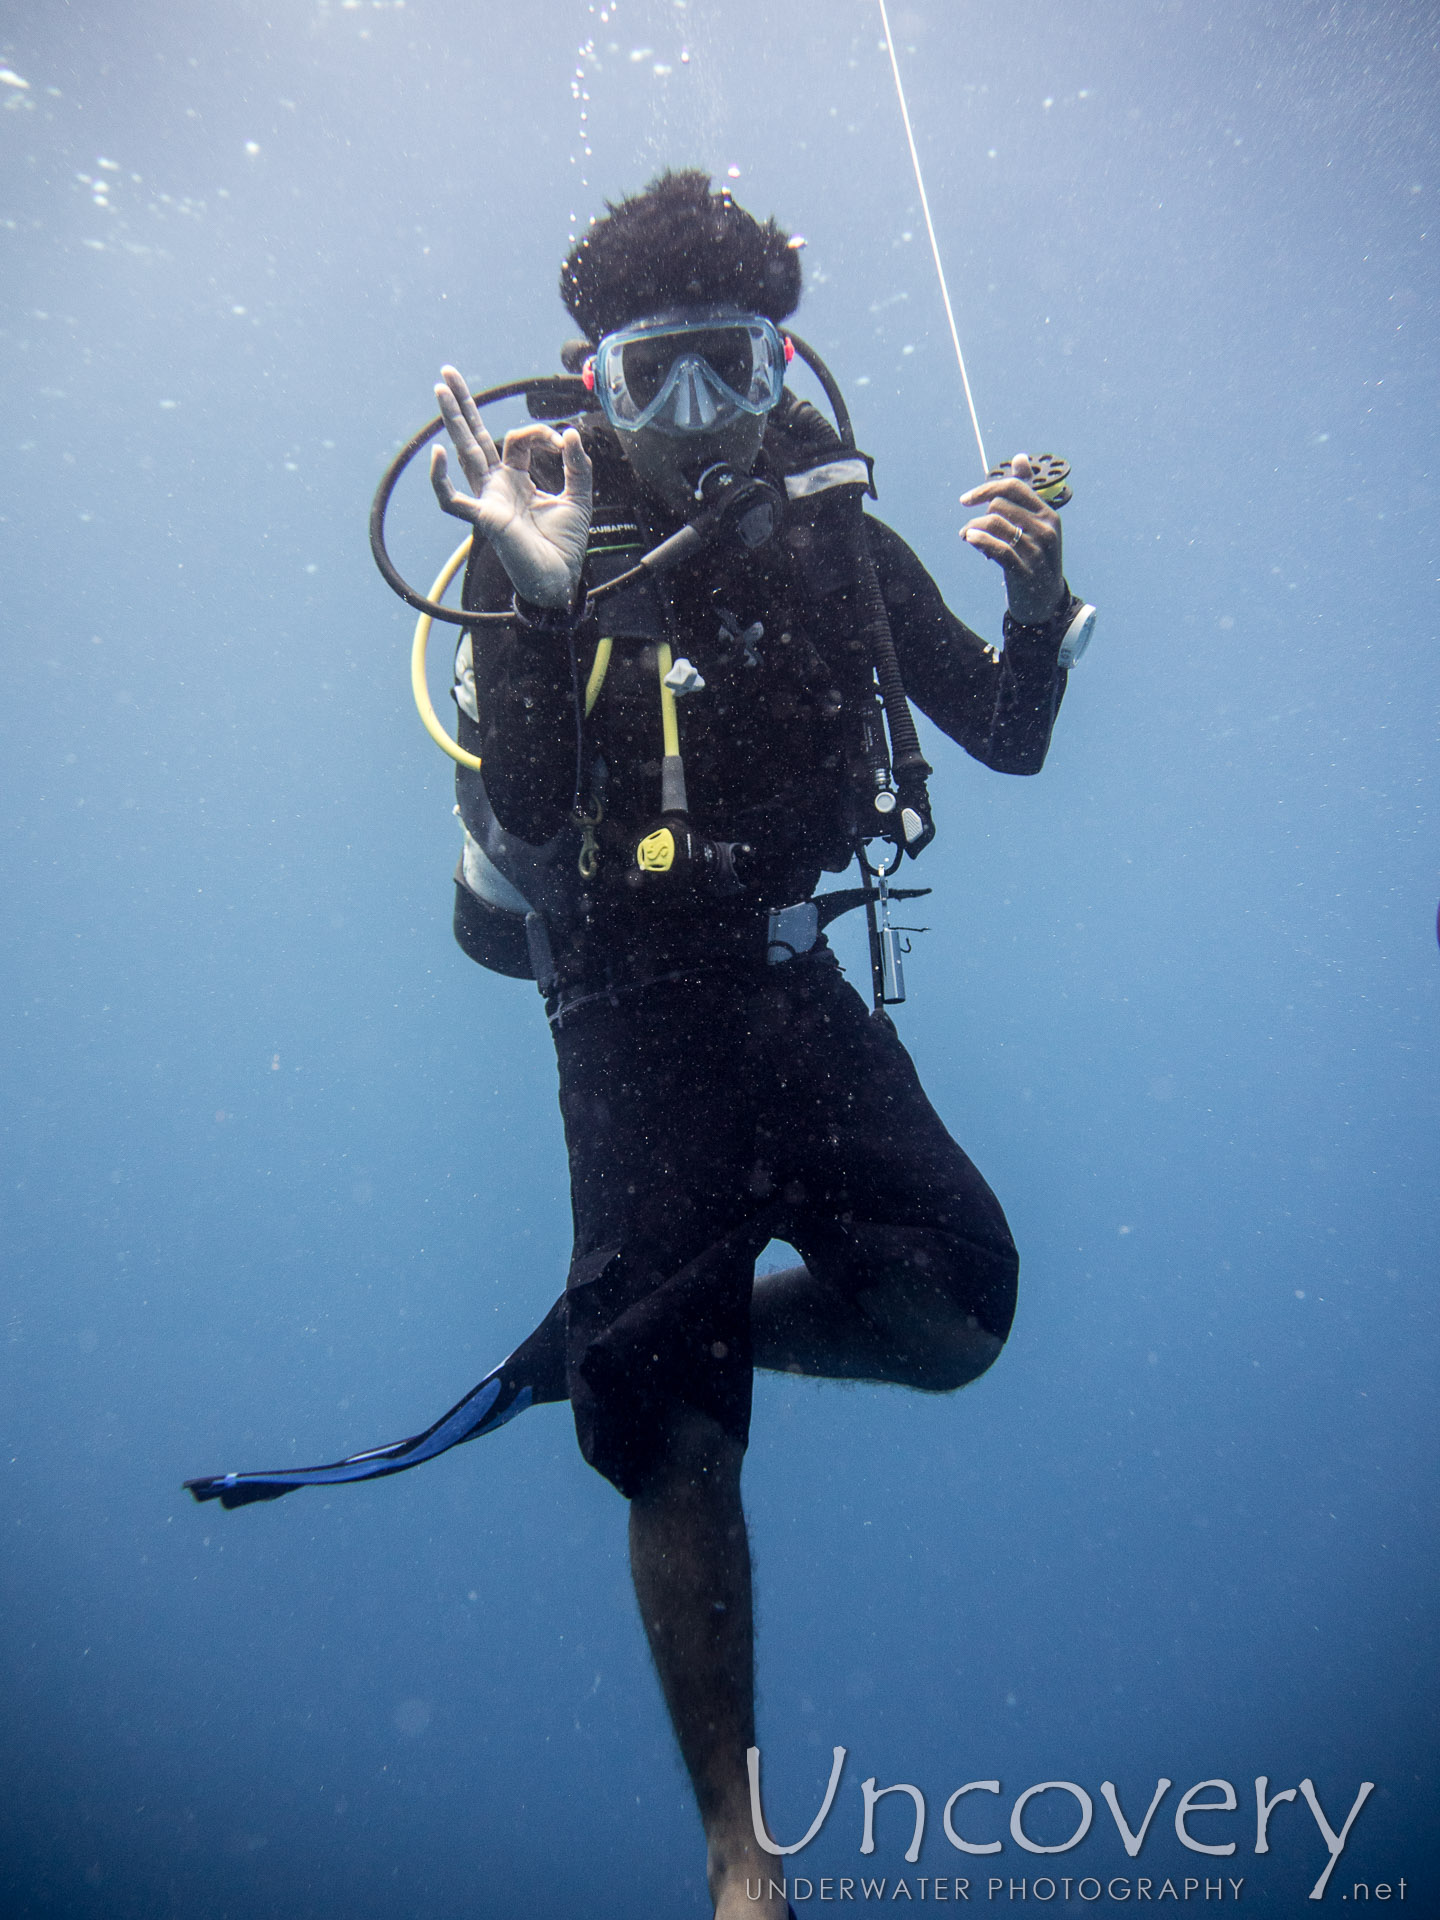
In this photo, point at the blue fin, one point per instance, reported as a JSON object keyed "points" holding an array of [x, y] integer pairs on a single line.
{"points": [[487, 1406]]}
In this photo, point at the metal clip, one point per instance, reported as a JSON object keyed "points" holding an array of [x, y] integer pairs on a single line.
{"points": [[892, 972], [589, 860]]}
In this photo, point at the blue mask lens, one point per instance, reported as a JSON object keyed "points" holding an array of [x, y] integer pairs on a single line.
{"points": [[686, 373]]}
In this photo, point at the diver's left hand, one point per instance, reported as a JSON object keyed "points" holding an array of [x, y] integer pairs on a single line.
{"points": [[1021, 534]]}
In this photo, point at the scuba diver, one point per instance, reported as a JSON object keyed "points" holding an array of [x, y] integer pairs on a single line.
{"points": [[681, 692]]}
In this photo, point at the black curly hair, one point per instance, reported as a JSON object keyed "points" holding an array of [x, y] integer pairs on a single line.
{"points": [[678, 244]]}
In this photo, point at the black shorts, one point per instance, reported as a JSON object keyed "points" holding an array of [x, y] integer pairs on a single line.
{"points": [[705, 1117]]}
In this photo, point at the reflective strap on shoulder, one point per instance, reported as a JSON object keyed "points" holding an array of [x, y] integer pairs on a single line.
{"points": [[854, 472]]}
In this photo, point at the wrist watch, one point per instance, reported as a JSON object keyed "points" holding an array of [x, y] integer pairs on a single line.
{"points": [[1077, 636], [1074, 620]]}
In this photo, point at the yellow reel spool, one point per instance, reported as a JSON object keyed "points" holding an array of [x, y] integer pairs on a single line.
{"points": [[1049, 476], [419, 686]]}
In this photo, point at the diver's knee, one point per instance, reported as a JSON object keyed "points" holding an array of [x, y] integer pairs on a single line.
{"points": [[954, 1315], [968, 1334], [958, 1357]]}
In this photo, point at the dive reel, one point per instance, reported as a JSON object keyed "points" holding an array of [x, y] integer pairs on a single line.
{"points": [[1049, 476]]}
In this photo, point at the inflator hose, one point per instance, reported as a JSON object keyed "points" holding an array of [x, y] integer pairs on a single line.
{"points": [[546, 388], [910, 766]]}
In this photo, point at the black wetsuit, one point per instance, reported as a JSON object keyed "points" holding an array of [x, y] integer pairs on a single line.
{"points": [[713, 1101]]}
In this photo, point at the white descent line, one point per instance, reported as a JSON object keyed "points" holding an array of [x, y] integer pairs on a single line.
{"points": [[934, 243]]}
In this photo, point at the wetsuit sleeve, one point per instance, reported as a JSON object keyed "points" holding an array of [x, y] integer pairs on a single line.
{"points": [[999, 708], [526, 731]]}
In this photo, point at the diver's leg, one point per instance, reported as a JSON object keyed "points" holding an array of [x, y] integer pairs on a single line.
{"points": [[659, 1122], [887, 1310], [690, 1560], [910, 1269]]}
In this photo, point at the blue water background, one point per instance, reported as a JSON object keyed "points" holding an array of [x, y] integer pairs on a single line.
{"points": [[283, 1172]]}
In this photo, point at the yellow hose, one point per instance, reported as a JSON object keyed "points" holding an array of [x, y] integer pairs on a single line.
{"points": [[420, 687], [418, 684], [598, 670], [669, 723]]}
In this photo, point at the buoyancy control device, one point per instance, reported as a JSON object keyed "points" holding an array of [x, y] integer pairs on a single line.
{"points": [[509, 893]]}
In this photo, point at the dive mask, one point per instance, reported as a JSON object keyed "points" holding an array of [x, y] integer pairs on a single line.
{"points": [[689, 371]]}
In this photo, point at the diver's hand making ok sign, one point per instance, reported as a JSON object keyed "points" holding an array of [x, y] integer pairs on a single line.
{"points": [[1021, 535], [539, 537]]}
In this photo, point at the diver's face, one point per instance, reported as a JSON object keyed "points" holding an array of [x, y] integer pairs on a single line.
{"points": [[668, 465]]}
